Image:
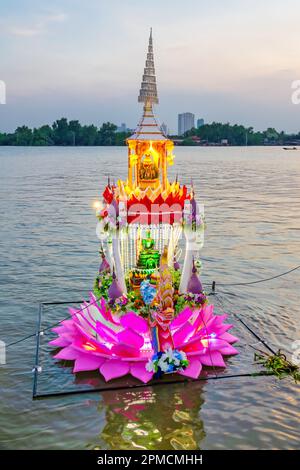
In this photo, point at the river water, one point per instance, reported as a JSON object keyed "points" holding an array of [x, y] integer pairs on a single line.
{"points": [[48, 251]]}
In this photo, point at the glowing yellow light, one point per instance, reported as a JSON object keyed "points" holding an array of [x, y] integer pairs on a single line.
{"points": [[133, 159], [170, 159], [89, 347], [154, 153], [97, 205]]}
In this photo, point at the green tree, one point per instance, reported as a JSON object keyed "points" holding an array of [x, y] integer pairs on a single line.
{"points": [[120, 138], [62, 135], [107, 134], [43, 136], [89, 135], [23, 136]]}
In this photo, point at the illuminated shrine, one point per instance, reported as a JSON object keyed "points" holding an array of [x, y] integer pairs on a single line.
{"points": [[148, 314]]}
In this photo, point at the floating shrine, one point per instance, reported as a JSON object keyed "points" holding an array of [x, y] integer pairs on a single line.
{"points": [[148, 314]]}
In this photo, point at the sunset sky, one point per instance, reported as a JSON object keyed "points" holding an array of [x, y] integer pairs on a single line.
{"points": [[222, 60]]}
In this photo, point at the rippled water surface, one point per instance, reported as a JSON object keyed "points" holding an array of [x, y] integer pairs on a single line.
{"points": [[48, 251]]}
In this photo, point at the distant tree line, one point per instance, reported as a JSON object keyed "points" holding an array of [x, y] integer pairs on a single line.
{"points": [[216, 133], [64, 132]]}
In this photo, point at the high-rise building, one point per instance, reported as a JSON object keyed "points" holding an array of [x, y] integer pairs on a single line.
{"points": [[164, 129], [200, 123], [185, 122], [122, 128]]}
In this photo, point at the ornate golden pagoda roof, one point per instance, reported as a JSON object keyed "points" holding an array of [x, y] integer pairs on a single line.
{"points": [[148, 127], [148, 91]]}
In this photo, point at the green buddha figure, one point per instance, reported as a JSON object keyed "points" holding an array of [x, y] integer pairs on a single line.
{"points": [[149, 257]]}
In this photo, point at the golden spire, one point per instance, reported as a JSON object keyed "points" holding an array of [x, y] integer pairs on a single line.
{"points": [[149, 150]]}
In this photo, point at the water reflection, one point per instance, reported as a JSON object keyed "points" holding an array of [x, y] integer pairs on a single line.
{"points": [[163, 417], [252, 206]]}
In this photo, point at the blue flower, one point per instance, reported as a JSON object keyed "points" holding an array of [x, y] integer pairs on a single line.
{"points": [[148, 292]]}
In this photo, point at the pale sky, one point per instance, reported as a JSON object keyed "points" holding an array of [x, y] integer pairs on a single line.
{"points": [[222, 60]]}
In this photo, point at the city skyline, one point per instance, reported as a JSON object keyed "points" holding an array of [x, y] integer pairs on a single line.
{"points": [[186, 121], [83, 61]]}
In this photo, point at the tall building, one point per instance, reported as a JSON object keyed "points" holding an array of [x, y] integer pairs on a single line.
{"points": [[200, 123], [122, 128], [164, 129], [185, 122]]}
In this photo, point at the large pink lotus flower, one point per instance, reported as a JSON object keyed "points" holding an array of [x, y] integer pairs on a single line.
{"points": [[96, 338]]}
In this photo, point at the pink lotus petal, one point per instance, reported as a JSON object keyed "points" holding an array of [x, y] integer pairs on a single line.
{"points": [[214, 358], [85, 326], [73, 311], [207, 312], [133, 321], [60, 342], [84, 332], [139, 371], [100, 339], [182, 318], [87, 362], [124, 350], [215, 344], [199, 321], [60, 329], [130, 337], [68, 324], [229, 350], [83, 346], [203, 317], [229, 338], [68, 354], [112, 369], [103, 309], [194, 344], [183, 333], [106, 333], [193, 370]]}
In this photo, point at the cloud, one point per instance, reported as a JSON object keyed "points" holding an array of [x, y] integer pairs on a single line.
{"points": [[26, 32], [40, 26], [55, 17]]}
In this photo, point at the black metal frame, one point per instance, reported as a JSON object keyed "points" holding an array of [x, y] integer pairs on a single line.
{"points": [[165, 381]]}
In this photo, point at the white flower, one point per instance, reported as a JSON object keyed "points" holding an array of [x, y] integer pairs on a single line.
{"points": [[163, 365], [176, 361], [168, 354], [150, 366], [183, 356]]}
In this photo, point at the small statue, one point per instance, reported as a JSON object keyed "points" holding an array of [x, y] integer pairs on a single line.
{"points": [[162, 319]]}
